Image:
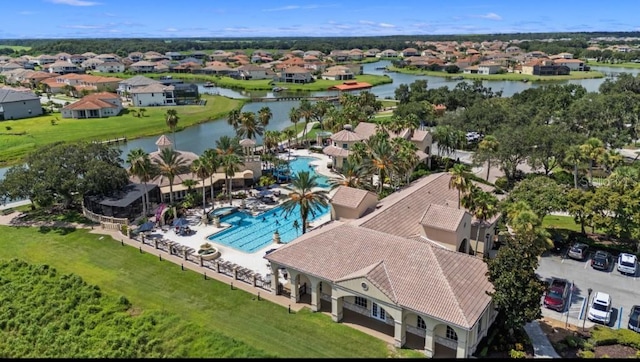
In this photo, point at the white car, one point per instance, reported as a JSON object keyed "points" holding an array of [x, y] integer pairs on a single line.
{"points": [[600, 309], [627, 263]]}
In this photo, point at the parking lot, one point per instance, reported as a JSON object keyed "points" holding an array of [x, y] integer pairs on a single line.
{"points": [[621, 288]]}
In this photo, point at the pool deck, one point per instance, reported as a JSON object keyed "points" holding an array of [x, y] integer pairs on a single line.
{"points": [[254, 261]]}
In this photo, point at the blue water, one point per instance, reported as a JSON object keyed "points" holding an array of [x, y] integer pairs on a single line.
{"points": [[250, 233], [222, 210]]}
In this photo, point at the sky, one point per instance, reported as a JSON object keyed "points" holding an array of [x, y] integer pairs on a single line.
{"points": [[37, 19]]}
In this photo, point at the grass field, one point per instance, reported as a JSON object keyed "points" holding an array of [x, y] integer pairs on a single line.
{"points": [[20, 137], [506, 76], [616, 65], [560, 222], [15, 47], [151, 284]]}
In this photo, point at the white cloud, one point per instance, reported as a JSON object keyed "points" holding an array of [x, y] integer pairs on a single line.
{"points": [[366, 22], [385, 25], [284, 8], [491, 16], [171, 29], [82, 26], [74, 2]]}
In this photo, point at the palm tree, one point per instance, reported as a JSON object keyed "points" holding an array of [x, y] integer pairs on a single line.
{"points": [[307, 196], [353, 174], [212, 159], [289, 133], [574, 157], [231, 164], [264, 116], [486, 151], [249, 126], [592, 150], [483, 206], [294, 117], [459, 180], [189, 184], [382, 157], [172, 121], [233, 119], [306, 111], [200, 167], [170, 165], [270, 140], [140, 165]]}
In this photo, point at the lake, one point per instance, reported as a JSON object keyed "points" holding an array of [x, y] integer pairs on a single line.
{"points": [[200, 137]]}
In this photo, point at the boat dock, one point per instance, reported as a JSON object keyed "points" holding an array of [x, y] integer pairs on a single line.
{"points": [[119, 140], [295, 98]]}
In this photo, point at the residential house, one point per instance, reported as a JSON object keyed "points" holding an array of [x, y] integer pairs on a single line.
{"points": [[5, 67], [127, 85], [295, 74], [200, 55], [45, 59], [371, 53], [63, 67], [90, 55], [356, 54], [110, 67], [488, 68], [575, 65], [77, 59], [402, 263], [96, 105], [221, 55], [544, 67], [63, 56], [17, 105], [338, 72], [339, 55], [216, 68], [152, 56], [108, 57], [410, 52], [91, 63], [252, 71], [143, 66], [155, 94], [135, 56], [387, 53], [175, 55]]}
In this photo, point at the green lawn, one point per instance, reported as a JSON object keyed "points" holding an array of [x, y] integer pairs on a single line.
{"points": [[20, 137], [15, 48], [260, 84], [560, 222], [616, 65], [505, 76], [151, 284]]}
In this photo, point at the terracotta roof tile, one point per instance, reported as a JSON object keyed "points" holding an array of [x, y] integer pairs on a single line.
{"points": [[442, 217], [430, 280], [349, 196]]}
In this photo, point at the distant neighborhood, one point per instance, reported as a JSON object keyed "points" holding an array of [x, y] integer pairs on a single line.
{"points": [[82, 74]]}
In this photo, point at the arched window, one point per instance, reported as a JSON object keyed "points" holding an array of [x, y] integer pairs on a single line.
{"points": [[421, 324], [451, 334]]}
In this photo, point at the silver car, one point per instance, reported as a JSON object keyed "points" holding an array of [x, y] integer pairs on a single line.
{"points": [[578, 251]]}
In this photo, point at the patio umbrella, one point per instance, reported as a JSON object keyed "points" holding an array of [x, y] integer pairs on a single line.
{"points": [[180, 222], [264, 193], [147, 226]]}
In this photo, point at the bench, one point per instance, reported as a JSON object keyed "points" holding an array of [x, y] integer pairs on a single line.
{"points": [[8, 211]]}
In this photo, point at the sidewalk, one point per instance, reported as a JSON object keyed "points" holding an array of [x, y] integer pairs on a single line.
{"points": [[542, 347]]}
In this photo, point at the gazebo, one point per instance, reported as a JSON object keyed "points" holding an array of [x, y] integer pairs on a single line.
{"points": [[248, 146]]}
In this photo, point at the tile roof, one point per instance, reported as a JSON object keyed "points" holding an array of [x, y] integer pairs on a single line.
{"points": [[442, 217], [152, 88], [334, 151], [139, 80], [401, 212], [346, 136], [94, 101], [427, 279], [366, 129], [349, 196], [163, 141]]}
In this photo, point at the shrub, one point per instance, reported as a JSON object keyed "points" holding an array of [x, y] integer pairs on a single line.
{"points": [[572, 341], [560, 346], [586, 354], [501, 182], [124, 229], [517, 354], [587, 346]]}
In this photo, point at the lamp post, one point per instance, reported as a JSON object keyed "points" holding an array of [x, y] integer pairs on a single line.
{"points": [[589, 291]]}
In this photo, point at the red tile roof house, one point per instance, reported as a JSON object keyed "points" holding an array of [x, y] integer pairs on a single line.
{"points": [[96, 105], [397, 263]]}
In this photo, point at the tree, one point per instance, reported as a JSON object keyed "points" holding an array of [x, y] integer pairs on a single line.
{"points": [[306, 111], [140, 166], [211, 158], [353, 174], [200, 167], [487, 149], [542, 194], [264, 116], [294, 117], [170, 164], [230, 163], [172, 122], [517, 288], [306, 196], [233, 119], [574, 157], [459, 180], [381, 156], [65, 172], [577, 206], [592, 150], [483, 206], [249, 127]]}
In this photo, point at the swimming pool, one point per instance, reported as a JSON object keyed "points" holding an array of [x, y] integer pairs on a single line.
{"points": [[250, 233], [223, 211]]}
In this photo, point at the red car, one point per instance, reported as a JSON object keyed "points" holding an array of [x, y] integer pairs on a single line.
{"points": [[557, 295]]}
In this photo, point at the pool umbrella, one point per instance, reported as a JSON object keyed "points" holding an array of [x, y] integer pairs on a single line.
{"points": [[147, 226], [180, 222], [264, 193]]}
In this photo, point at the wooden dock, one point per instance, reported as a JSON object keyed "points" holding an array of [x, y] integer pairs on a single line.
{"points": [[295, 98], [113, 141]]}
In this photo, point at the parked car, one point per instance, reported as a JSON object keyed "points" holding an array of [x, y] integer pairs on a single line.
{"points": [[634, 319], [600, 309], [602, 260], [627, 263], [557, 296], [578, 251]]}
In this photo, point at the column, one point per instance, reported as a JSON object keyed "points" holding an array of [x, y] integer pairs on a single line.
{"points": [[315, 295], [400, 333], [201, 261], [336, 308], [293, 284], [461, 351], [274, 279], [429, 347]]}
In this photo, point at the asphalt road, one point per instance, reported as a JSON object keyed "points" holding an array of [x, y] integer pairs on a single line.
{"points": [[623, 289]]}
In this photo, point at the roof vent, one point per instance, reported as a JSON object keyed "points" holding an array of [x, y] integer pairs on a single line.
{"points": [[347, 127]]}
